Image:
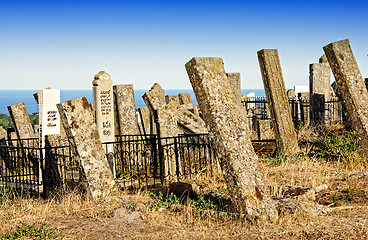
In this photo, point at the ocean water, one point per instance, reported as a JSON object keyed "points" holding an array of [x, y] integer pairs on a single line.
{"points": [[9, 97]]}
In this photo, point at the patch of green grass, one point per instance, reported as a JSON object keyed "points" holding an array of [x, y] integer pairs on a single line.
{"points": [[336, 145], [349, 194], [36, 232], [215, 200]]}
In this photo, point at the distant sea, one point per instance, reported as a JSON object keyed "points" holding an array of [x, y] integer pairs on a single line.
{"points": [[9, 97]]}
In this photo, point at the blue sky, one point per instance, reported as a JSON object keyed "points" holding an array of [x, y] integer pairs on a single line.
{"points": [[63, 44]]}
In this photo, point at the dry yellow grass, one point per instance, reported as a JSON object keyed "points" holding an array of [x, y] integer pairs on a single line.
{"points": [[75, 217]]}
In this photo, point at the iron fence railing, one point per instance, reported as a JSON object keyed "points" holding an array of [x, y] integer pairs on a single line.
{"points": [[257, 108]]}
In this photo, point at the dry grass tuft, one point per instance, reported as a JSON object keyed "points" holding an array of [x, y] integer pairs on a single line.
{"points": [[75, 217]]}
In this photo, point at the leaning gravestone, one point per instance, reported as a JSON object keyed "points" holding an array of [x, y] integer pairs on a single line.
{"points": [[286, 138], [146, 121], [185, 100], [227, 127], [22, 123], [170, 120], [125, 109], [351, 86], [78, 121]]}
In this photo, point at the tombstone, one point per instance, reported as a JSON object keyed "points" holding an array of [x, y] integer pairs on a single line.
{"points": [[342, 108], [286, 138], [293, 103], [22, 124], [185, 100], [125, 109], [147, 121], [303, 98], [49, 119], [103, 106], [234, 79], [264, 129], [226, 123], [80, 127], [319, 83], [172, 98], [170, 120], [351, 87], [183, 117]]}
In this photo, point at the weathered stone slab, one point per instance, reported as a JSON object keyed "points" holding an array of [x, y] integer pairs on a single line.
{"points": [[21, 122], [303, 98], [181, 115], [344, 112], [146, 121], [103, 104], [172, 98], [350, 86], [291, 94], [234, 79], [264, 129], [226, 123], [125, 109], [170, 120], [155, 97], [319, 83], [273, 81], [78, 121], [186, 101]]}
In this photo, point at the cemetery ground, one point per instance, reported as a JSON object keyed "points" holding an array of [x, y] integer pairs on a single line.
{"points": [[331, 156]]}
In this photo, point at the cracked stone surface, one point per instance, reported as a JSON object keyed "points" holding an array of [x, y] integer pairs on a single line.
{"points": [[78, 121], [273, 81], [226, 123], [351, 87]]}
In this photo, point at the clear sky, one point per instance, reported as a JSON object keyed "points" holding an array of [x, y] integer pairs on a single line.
{"points": [[63, 44]]}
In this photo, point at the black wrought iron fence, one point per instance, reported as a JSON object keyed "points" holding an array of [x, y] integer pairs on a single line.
{"points": [[257, 108], [20, 169]]}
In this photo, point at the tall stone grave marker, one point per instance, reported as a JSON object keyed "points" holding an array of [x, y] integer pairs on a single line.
{"points": [[273, 81], [319, 83], [234, 79], [22, 122], [351, 86], [80, 127], [103, 106], [49, 118], [126, 112], [227, 127]]}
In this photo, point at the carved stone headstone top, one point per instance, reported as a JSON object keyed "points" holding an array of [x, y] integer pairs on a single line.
{"points": [[103, 106], [291, 94]]}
